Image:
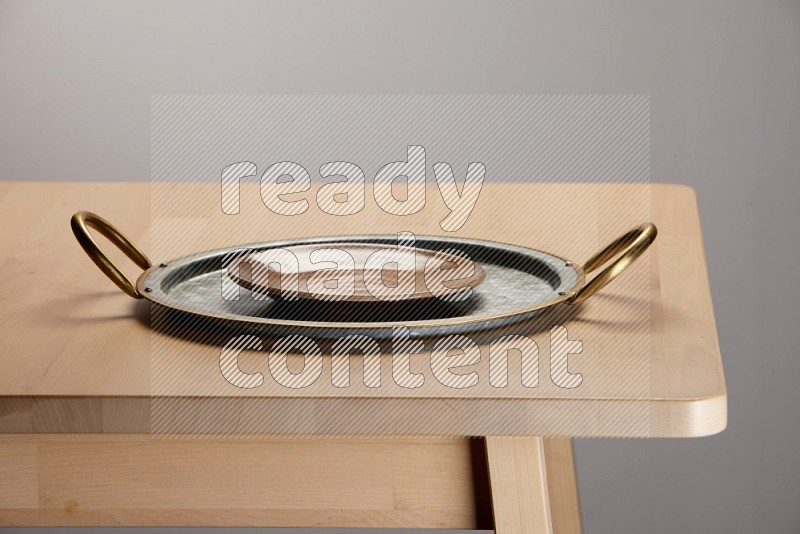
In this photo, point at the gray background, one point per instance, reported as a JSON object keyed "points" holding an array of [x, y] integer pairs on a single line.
{"points": [[724, 79]]}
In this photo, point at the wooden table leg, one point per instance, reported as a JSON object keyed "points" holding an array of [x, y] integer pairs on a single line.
{"points": [[533, 485]]}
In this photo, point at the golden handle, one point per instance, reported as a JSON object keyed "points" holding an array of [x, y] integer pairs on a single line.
{"points": [[631, 245], [81, 222]]}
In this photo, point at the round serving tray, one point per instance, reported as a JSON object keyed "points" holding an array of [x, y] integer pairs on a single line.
{"points": [[519, 283]]}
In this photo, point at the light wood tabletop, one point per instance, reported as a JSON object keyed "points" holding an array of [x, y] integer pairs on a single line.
{"points": [[74, 344], [82, 371]]}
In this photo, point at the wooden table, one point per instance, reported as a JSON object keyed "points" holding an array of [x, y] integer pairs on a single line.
{"points": [[78, 381]]}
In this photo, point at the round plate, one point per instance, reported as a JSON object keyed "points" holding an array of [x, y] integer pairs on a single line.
{"points": [[357, 272], [519, 282]]}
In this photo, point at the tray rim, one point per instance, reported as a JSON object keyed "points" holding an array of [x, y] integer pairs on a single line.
{"points": [[154, 272]]}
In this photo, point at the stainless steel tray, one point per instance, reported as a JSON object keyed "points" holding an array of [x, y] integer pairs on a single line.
{"points": [[520, 283]]}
